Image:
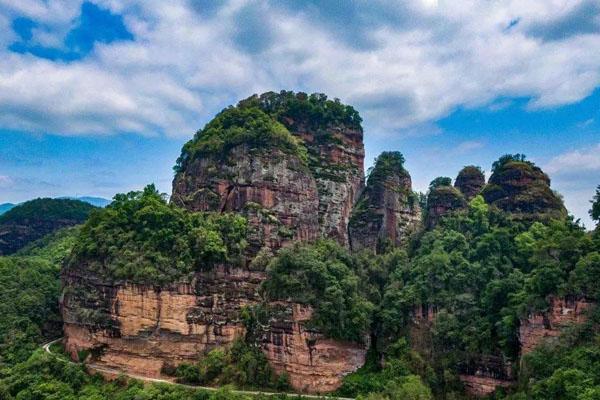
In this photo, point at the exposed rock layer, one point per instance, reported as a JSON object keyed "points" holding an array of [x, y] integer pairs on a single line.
{"points": [[313, 362], [387, 210], [547, 326], [441, 201]]}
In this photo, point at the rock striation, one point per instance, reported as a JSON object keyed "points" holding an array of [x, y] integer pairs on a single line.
{"points": [[313, 362], [387, 211]]}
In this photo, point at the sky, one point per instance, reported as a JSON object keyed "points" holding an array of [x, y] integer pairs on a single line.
{"points": [[97, 97]]}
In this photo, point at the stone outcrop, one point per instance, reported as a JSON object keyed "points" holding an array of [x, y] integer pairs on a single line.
{"points": [[314, 363], [144, 328], [482, 386], [470, 181], [387, 211], [547, 326], [333, 137], [523, 189], [274, 190], [441, 201]]}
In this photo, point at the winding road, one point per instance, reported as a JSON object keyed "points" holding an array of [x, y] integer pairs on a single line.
{"points": [[106, 370]]}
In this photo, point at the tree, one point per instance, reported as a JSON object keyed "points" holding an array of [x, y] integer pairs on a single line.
{"points": [[595, 211]]}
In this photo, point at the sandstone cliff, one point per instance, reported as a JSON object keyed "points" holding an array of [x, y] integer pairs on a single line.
{"points": [[387, 211], [546, 326]]}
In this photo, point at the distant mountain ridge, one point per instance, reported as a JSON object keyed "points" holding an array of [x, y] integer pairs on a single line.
{"points": [[95, 201], [36, 218], [4, 207]]}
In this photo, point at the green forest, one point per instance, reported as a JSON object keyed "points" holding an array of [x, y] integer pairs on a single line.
{"points": [[479, 269]]}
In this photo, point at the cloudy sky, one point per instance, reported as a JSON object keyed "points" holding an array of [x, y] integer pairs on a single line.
{"points": [[98, 97]]}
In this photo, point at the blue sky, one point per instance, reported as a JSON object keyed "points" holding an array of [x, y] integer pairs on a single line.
{"points": [[98, 97]]}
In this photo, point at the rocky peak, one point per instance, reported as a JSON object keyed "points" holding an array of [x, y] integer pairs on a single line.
{"points": [[387, 211], [470, 181], [442, 199], [277, 158], [520, 187], [333, 137]]}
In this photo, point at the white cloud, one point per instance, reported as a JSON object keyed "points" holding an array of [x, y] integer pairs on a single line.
{"points": [[576, 161], [422, 60]]}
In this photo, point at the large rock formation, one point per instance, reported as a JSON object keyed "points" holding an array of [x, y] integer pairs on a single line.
{"points": [[34, 219], [292, 164], [522, 189], [442, 199], [387, 211], [470, 181], [333, 136]]}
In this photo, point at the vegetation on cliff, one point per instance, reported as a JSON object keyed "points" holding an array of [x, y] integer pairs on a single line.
{"points": [[34, 219], [470, 181], [141, 238], [315, 111], [323, 276], [240, 125], [387, 197], [458, 298], [521, 188]]}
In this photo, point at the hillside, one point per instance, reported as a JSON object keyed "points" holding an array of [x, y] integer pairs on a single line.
{"points": [[34, 219], [278, 265]]}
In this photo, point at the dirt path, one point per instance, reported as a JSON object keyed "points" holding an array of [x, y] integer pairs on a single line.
{"points": [[106, 370]]}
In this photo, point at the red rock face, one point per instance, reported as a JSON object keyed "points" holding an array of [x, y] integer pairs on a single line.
{"points": [[481, 386], [313, 363], [146, 328], [542, 327], [338, 166], [274, 190], [384, 214]]}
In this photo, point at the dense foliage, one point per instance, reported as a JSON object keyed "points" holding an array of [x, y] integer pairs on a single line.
{"points": [[314, 110], [47, 210], [29, 296], [520, 187], [141, 238], [323, 276], [595, 211], [240, 125]]}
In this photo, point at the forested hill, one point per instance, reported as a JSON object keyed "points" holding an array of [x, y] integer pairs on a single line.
{"points": [[34, 219]]}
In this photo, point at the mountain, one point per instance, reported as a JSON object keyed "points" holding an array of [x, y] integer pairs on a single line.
{"points": [[4, 207], [36, 218]]}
